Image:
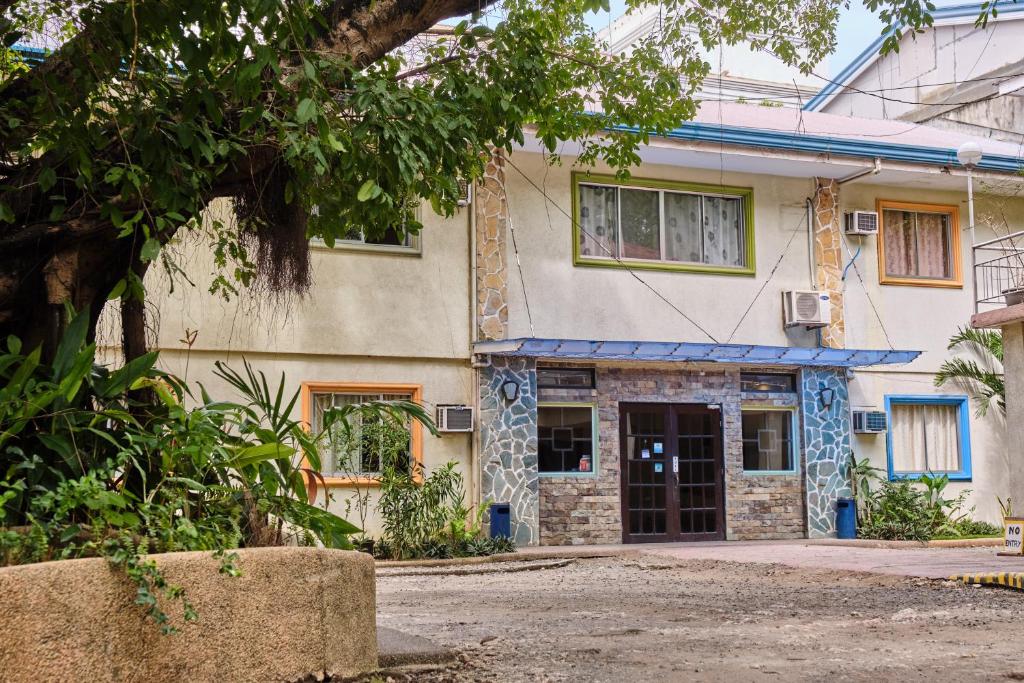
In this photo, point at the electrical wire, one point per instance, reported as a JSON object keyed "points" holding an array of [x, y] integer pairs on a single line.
{"points": [[864, 287], [622, 263], [771, 274]]}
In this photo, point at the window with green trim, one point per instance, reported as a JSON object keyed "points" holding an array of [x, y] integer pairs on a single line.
{"points": [[663, 224]]}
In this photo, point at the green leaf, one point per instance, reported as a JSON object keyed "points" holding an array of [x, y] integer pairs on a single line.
{"points": [[305, 111], [252, 455], [366, 190], [47, 178], [6, 214], [150, 250], [70, 344], [118, 290], [13, 344], [124, 377]]}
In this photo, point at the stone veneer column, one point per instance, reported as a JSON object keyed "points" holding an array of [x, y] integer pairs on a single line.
{"points": [[491, 207], [828, 243], [826, 447], [508, 443]]}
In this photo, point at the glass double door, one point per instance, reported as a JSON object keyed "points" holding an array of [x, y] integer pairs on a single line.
{"points": [[672, 474]]}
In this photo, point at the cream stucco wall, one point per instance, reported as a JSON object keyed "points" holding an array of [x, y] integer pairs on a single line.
{"points": [[568, 301], [370, 317]]}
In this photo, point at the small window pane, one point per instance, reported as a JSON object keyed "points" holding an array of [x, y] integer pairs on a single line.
{"points": [[723, 231], [599, 221], [641, 227], [767, 383], [565, 439], [767, 440], [358, 451], [683, 239], [574, 378], [918, 244], [925, 438]]}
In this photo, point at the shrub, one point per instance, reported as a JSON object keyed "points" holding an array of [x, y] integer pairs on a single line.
{"points": [[112, 463]]}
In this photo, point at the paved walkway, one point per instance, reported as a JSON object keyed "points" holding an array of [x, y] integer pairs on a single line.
{"points": [[932, 563]]}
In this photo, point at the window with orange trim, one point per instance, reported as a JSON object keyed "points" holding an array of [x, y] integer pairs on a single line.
{"points": [[353, 455], [919, 244]]}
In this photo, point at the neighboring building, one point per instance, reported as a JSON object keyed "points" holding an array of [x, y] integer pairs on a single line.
{"points": [[955, 76], [738, 72], [691, 411]]}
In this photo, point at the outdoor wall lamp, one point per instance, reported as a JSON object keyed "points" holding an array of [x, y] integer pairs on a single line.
{"points": [[827, 396], [510, 389]]}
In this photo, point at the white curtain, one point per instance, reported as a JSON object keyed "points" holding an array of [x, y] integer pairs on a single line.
{"points": [[925, 438], [723, 231], [599, 221]]}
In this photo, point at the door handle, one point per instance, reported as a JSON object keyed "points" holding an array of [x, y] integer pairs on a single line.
{"points": [[675, 464]]}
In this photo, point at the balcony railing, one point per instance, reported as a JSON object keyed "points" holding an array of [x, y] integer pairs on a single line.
{"points": [[999, 271]]}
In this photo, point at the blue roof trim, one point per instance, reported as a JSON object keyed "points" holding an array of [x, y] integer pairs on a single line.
{"points": [[749, 354], [871, 52], [35, 55], [820, 144]]}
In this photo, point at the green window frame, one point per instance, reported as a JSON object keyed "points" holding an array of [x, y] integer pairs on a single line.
{"points": [[744, 194]]}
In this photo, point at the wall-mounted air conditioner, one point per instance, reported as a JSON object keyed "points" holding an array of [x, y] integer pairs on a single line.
{"points": [[861, 222], [807, 308], [869, 421], [465, 192], [454, 418]]}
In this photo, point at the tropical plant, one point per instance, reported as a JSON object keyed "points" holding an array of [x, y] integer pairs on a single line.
{"points": [[984, 379], [92, 465], [862, 475], [146, 113], [898, 512]]}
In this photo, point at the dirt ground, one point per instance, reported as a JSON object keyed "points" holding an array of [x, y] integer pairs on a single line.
{"points": [[651, 619]]}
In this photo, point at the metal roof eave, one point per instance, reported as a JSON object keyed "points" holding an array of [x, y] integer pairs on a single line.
{"points": [[820, 144], [689, 352]]}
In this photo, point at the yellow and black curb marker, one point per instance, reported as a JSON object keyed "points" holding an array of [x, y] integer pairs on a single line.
{"points": [[1013, 580]]}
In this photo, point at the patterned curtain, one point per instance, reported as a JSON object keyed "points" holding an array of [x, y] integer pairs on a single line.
{"points": [[723, 231], [933, 245], [599, 221], [683, 238]]}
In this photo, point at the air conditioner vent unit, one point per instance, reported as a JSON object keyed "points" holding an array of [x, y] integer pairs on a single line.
{"points": [[807, 308], [861, 222], [869, 421], [454, 418]]}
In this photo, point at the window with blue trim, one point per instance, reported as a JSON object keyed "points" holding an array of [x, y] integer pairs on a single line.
{"points": [[928, 435]]}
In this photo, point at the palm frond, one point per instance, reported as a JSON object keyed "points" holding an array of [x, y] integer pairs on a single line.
{"points": [[987, 343], [986, 387]]}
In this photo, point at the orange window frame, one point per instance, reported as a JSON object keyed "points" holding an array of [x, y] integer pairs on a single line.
{"points": [[957, 281], [415, 393]]}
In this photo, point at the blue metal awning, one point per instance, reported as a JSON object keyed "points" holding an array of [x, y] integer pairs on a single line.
{"points": [[746, 354]]}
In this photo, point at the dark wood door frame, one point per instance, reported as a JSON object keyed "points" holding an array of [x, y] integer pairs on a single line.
{"points": [[712, 430]]}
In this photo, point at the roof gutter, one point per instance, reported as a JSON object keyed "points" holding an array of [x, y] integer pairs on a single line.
{"points": [[829, 146]]}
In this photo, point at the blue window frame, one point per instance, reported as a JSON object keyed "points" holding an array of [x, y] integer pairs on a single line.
{"points": [[963, 437]]}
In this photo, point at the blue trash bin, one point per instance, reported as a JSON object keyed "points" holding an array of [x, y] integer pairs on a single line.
{"points": [[846, 518], [501, 520]]}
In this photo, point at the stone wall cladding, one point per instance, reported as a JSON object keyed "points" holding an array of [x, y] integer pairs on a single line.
{"points": [[491, 207], [508, 443], [582, 510], [827, 446], [828, 243]]}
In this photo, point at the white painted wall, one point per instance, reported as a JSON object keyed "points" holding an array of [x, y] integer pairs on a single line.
{"points": [[933, 63]]}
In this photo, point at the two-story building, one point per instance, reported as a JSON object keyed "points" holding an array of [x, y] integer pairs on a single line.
{"points": [[694, 353]]}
